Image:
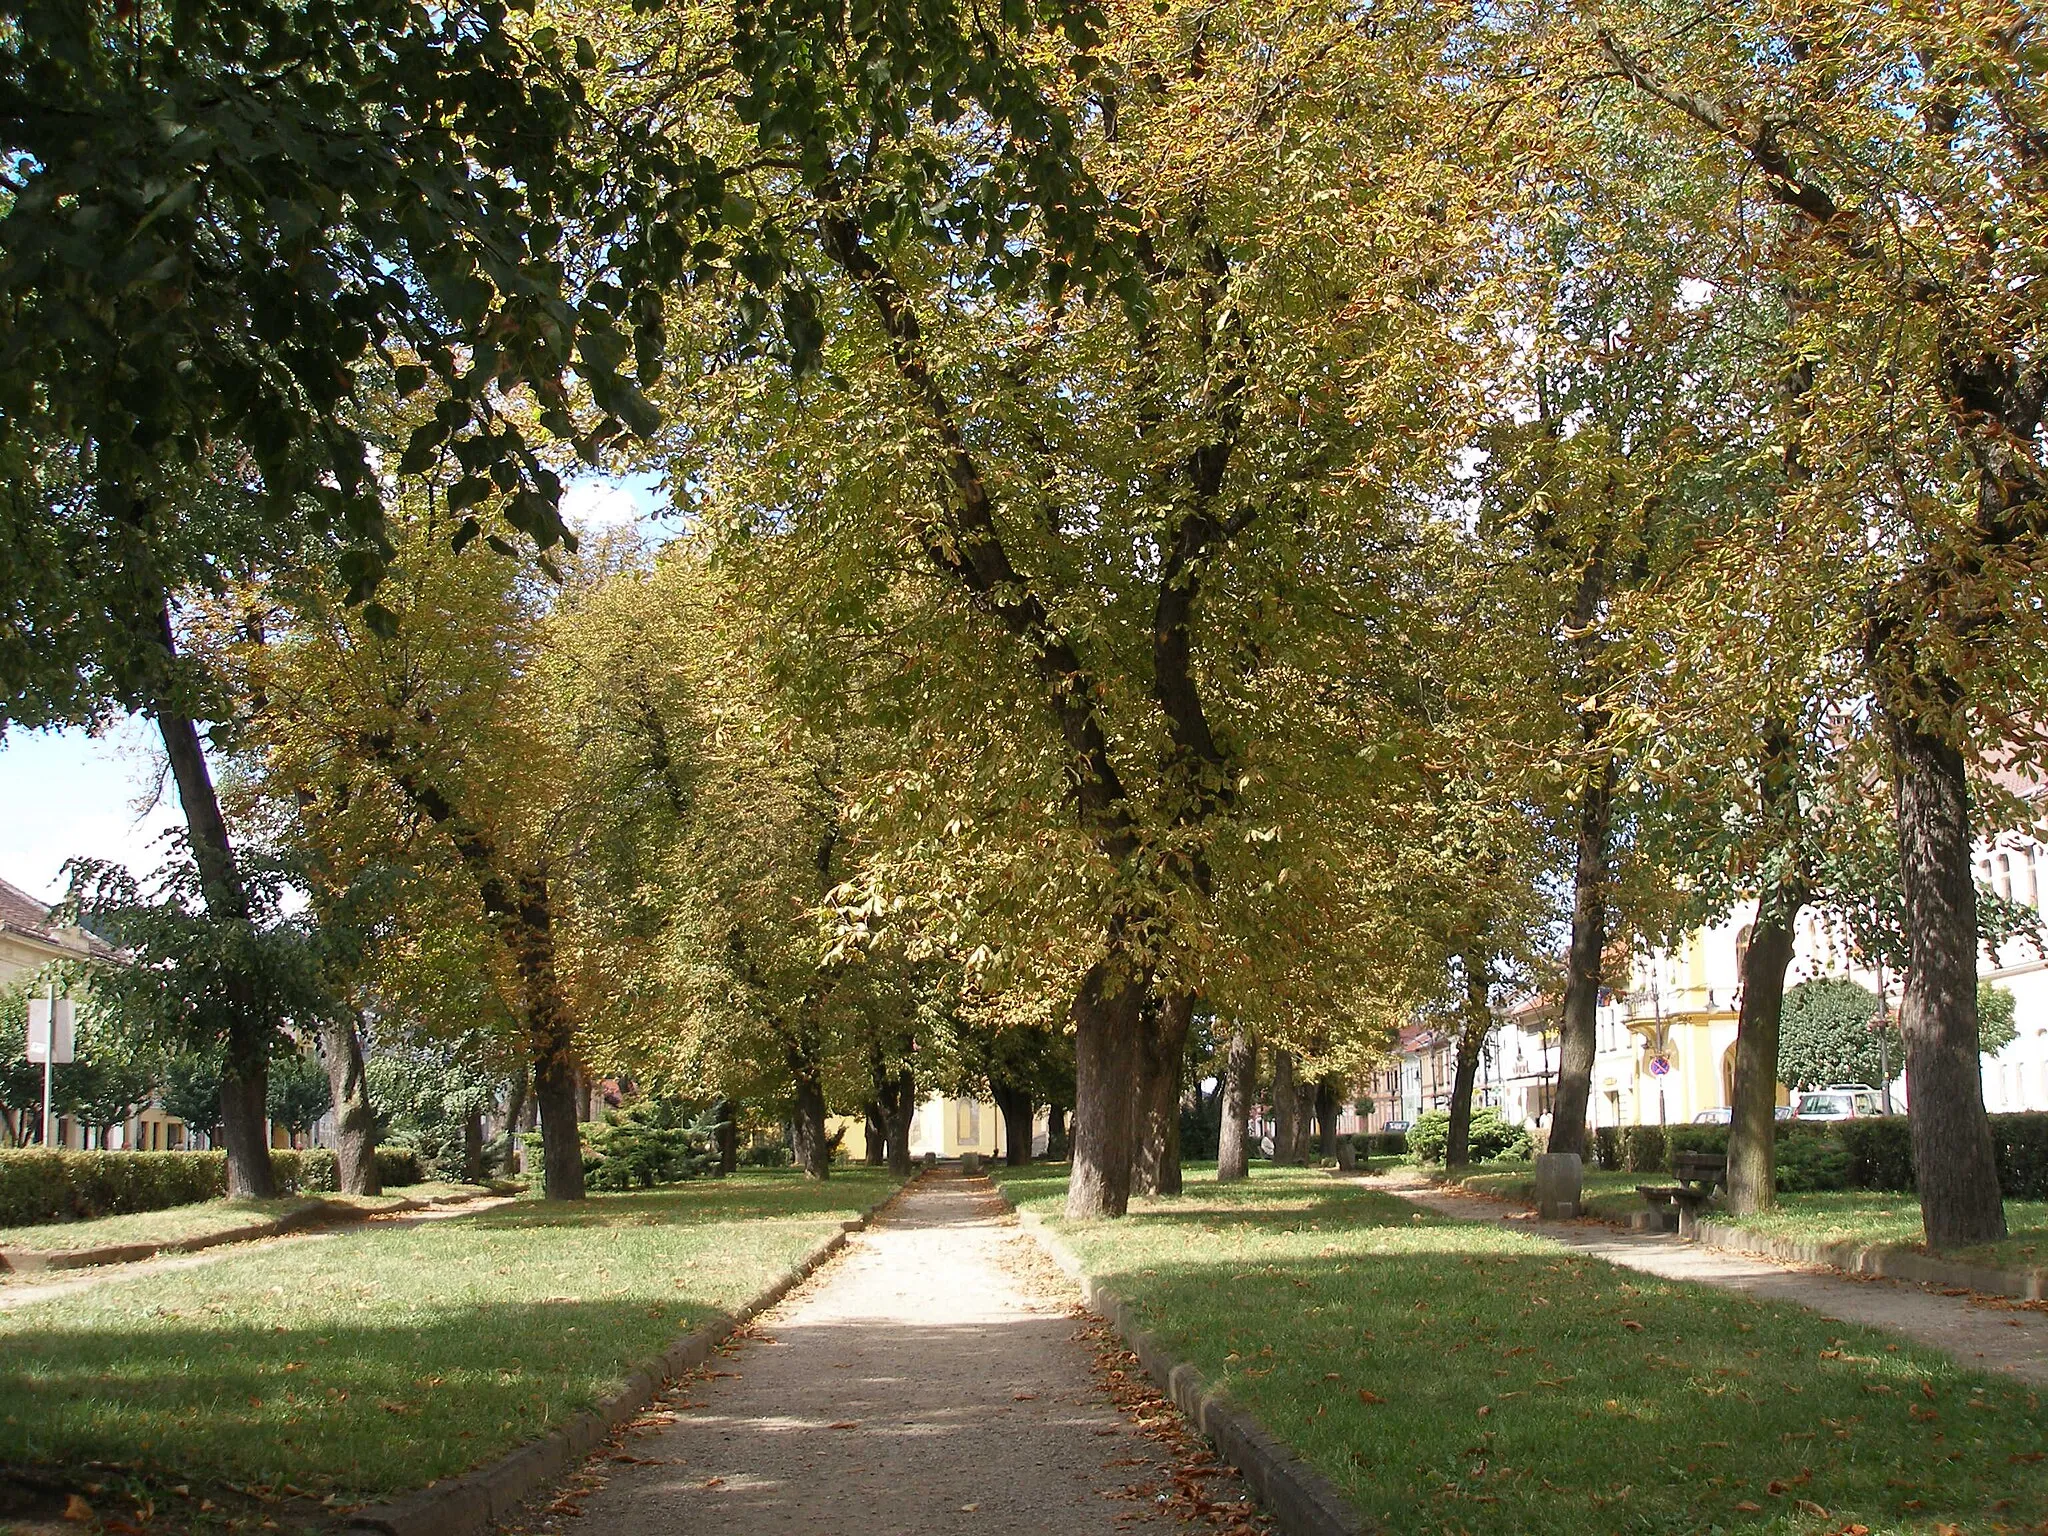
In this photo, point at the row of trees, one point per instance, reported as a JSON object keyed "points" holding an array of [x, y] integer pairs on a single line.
{"points": [[1308, 518]]}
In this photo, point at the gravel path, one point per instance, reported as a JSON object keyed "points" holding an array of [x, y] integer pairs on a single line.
{"points": [[1985, 1333], [935, 1378]]}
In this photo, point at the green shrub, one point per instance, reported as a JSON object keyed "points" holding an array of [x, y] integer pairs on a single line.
{"points": [[650, 1142], [1880, 1152], [1429, 1136], [38, 1185], [2022, 1145], [1370, 1144], [1492, 1138], [765, 1154], [1809, 1163], [1489, 1138], [399, 1166], [1643, 1148], [1607, 1147]]}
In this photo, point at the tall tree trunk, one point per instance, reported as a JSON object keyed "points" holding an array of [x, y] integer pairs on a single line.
{"points": [[473, 1170], [1240, 1087], [1327, 1109], [551, 1037], [1578, 1028], [874, 1135], [1753, 1095], [245, 1076], [728, 1136], [1156, 1170], [1018, 1113], [561, 1143], [899, 1109], [1753, 1099], [1286, 1107], [1952, 1145], [1464, 1078], [1108, 1023], [1304, 1118], [807, 1140], [1056, 1125], [515, 1111], [1472, 1032], [355, 1122]]}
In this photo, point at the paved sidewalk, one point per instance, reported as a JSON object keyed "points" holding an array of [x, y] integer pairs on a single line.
{"points": [[1989, 1335], [930, 1380]]}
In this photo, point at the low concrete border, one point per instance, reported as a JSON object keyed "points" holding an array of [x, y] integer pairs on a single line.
{"points": [[1893, 1263], [29, 1261], [475, 1501], [1886, 1260], [1301, 1499]]}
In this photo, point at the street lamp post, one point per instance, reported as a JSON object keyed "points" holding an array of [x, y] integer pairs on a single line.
{"points": [[1881, 1027], [51, 1041]]}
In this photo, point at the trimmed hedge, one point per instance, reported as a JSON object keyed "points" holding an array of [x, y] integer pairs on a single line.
{"points": [[1850, 1154], [38, 1185], [1380, 1143]]}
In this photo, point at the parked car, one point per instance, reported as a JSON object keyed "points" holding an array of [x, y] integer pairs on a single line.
{"points": [[1840, 1101], [1723, 1115], [1394, 1126]]}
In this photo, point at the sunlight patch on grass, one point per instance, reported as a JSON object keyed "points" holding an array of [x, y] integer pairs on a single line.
{"points": [[377, 1359], [1468, 1376]]}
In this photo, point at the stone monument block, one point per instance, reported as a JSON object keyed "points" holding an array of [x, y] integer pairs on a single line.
{"points": [[1560, 1183]]}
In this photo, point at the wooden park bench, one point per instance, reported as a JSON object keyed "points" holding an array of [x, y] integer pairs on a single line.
{"points": [[1699, 1175]]}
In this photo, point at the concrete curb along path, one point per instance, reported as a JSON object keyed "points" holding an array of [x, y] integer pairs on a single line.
{"points": [[1985, 1333], [30, 1261], [1301, 1499], [1893, 1263], [475, 1501], [1886, 1260]]}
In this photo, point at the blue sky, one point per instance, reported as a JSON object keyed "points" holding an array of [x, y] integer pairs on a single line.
{"points": [[70, 795]]}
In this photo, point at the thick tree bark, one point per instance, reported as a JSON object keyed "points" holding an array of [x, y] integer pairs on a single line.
{"points": [[1753, 1122], [1952, 1145], [807, 1140], [473, 1170], [1473, 1029], [1464, 1078], [1163, 1052], [874, 1135], [1018, 1113], [355, 1122], [1578, 1028], [245, 1077], [515, 1111], [898, 1110], [1286, 1107], [1056, 1125], [728, 1136], [550, 1034], [1327, 1108], [1107, 1029], [1240, 1087]]}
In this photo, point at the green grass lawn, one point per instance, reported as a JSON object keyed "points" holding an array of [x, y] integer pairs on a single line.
{"points": [[375, 1360], [1610, 1195], [1848, 1216], [1865, 1216], [1466, 1377], [201, 1219]]}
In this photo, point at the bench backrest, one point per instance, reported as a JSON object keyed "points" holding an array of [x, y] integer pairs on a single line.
{"points": [[1701, 1166]]}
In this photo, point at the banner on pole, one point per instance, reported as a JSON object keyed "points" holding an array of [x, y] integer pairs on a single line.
{"points": [[40, 1030]]}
